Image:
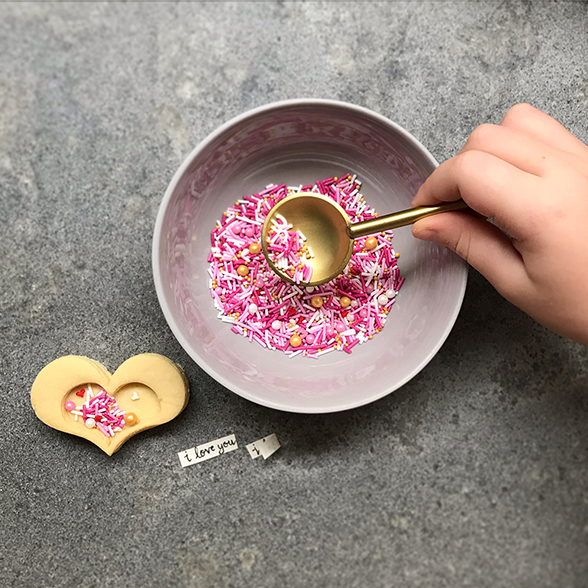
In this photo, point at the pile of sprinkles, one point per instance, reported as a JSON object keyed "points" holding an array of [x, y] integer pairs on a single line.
{"points": [[347, 311], [101, 411]]}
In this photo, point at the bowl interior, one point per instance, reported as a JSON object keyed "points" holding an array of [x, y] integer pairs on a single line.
{"points": [[298, 143]]}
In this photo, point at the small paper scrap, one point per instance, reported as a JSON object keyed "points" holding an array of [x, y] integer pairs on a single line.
{"points": [[264, 447], [209, 450]]}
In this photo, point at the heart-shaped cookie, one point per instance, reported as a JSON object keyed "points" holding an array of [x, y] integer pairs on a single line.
{"points": [[78, 395]]}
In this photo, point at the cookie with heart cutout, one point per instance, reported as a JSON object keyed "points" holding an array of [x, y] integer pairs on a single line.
{"points": [[78, 395]]}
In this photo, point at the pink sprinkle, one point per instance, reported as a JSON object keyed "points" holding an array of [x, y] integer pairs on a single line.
{"points": [[103, 428]]}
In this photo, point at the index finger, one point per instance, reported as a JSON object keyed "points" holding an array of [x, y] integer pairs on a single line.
{"points": [[489, 185]]}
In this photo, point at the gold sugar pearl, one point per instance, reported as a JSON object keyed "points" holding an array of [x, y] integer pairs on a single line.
{"points": [[345, 301], [242, 270], [295, 340], [397, 255], [317, 301], [131, 419], [254, 248], [371, 243]]}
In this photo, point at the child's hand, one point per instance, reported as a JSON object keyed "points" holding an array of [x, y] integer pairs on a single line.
{"points": [[530, 175]]}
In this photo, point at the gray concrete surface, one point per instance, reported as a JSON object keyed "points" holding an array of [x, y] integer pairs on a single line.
{"points": [[473, 474]]}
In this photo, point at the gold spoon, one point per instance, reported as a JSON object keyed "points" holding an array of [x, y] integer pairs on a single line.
{"points": [[329, 232]]}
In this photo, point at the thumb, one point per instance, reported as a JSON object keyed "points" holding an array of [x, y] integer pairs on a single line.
{"points": [[483, 245]]}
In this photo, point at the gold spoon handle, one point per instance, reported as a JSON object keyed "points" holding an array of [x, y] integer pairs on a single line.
{"points": [[400, 219]]}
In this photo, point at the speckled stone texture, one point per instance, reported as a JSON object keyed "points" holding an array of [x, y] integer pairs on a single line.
{"points": [[473, 474]]}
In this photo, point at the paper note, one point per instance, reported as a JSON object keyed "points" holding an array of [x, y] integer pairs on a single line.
{"points": [[208, 450], [264, 447]]}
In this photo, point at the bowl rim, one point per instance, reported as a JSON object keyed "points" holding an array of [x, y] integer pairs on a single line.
{"points": [[156, 242]]}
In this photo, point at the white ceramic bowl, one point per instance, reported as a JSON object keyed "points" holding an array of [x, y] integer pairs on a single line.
{"points": [[298, 142]]}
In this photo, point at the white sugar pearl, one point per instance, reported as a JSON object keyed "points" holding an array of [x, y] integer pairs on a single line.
{"points": [[350, 319], [276, 325], [390, 294], [310, 289], [382, 299], [90, 423], [252, 308]]}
